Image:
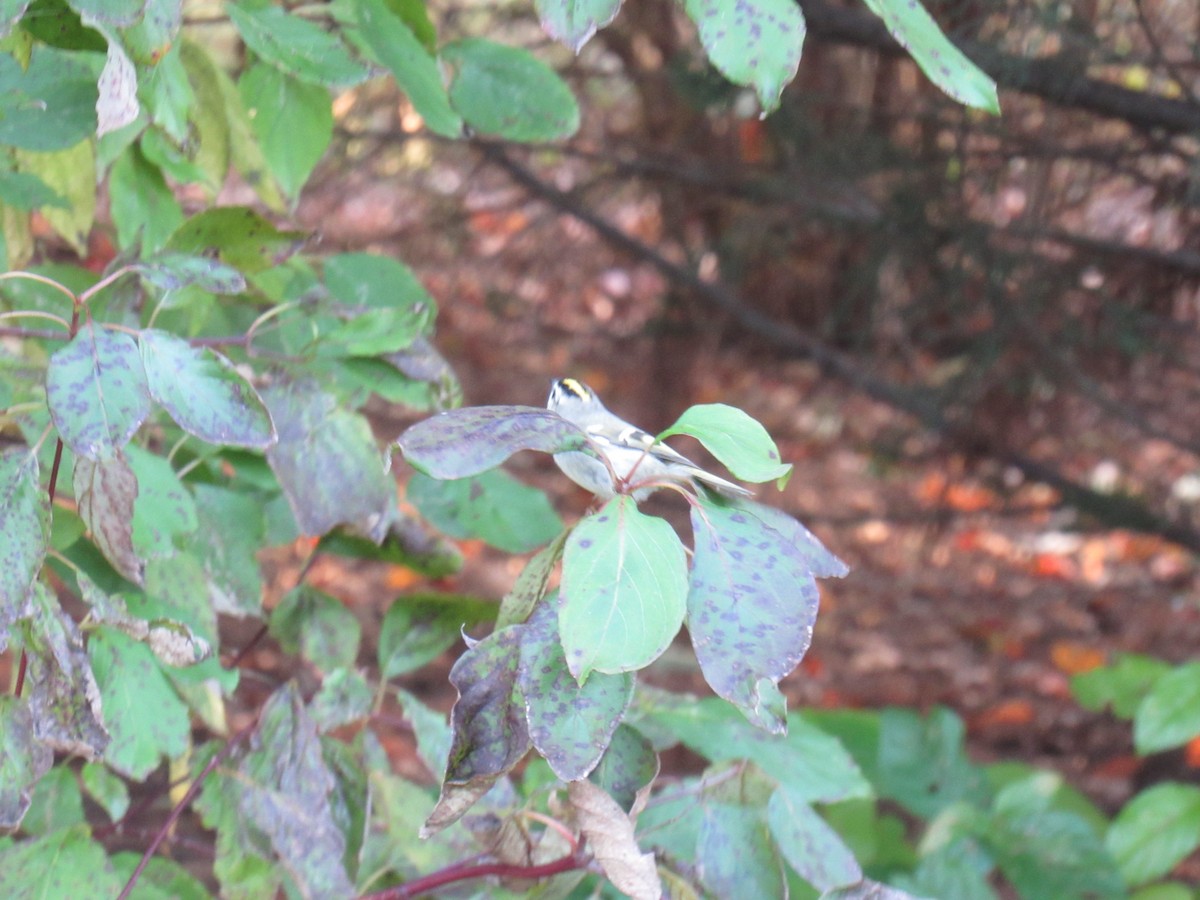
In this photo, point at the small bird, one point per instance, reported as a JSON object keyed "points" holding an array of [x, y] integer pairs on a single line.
{"points": [[634, 455]]}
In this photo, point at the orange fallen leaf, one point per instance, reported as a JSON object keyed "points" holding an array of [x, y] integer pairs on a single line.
{"points": [[969, 497], [1006, 712], [1075, 658], [1191, 753], [1051, 565]]}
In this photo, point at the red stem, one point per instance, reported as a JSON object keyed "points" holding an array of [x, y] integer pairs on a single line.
{"points": [[462, 872]]}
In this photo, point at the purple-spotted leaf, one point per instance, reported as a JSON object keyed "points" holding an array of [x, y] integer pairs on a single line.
{"points": [[752, 42], [490, 735], [575, 21], [947, 67], [810, 846], [809, 551], [624, 590], [204, 393], [64, 700], [464, 442], [164, 514], [96, 390], [317, 626], [106, 491], [628, 765], [23, 760], [171, 271], [752, 604], [735, 853], [24, 531], [328, 464], [737, 440], [570, 724], [117, 102]]}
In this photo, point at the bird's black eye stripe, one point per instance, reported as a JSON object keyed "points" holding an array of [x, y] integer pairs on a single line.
{"points": [[571, 386]]}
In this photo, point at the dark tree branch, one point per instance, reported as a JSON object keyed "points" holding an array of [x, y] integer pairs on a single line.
{"points": [[1050, 78], [921, 406]]}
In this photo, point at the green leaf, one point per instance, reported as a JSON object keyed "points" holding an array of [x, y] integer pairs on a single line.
{"points": [[151, 39], [810, 846], [51, 105], [463, 442], [1122, 685], [415, 70], [296, 46], [24, 190], [106, 788], [810, 763], [1170, 715], [142, 206], [735, 853], [108, 12], [292, 119], [64, 863], [959, 868], [204, 393], [947, 67], [756, 43], [232, 527], [10, 13], [168, 95], [23, 760], [318, 627], [509, 92], [417, 629], [238, 235], [344, 698], [406, 544], [751, 608], [492, 506], [208, 142], [72, 174], [624, 590], [570, 724], [328, 464], [147, 719], [171, 271], [106, 491], [432, 732], [802, 543], [737, 440], [117, 104], [629, 764], [24, 531], [532, 584], [923, 764], [55, 23], [490, 734], [163, 513], [366, 281], [56, 803], [62, 693], [1154, 831], [96, 390], [161, 879], [1051, 855], [575, 21]]}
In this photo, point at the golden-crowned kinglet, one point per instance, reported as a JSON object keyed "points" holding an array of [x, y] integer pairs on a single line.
{"points": [[627, 448]]}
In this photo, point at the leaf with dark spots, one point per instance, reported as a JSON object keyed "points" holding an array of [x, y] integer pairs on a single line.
{"points": [[171, 271], [532, 584], [97, 392], [464, 442], [236, 235], [328, 464], [317, 626], [105, 491], [811, 847], [64, 700], [752, 604], [284, 792], [490, 734], [24, 532], [23, 759], [203, 393], [805, 546], [570, 724], [629, 764]]}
